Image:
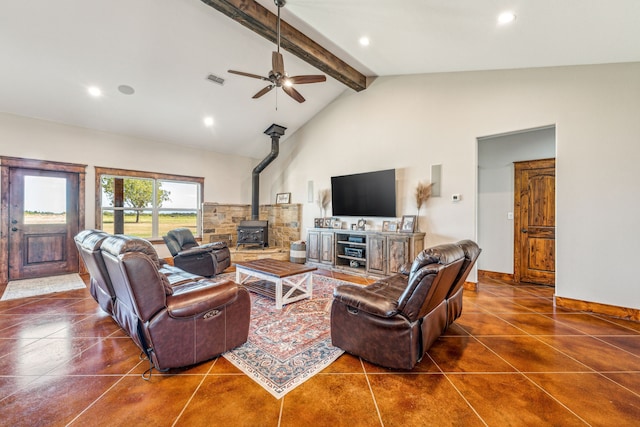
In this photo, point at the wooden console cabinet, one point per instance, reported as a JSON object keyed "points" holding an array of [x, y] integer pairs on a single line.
{"points": [[320, 245], [362, 252]]}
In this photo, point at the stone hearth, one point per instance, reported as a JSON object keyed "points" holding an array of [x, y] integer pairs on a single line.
{"points": [[242, 254]]}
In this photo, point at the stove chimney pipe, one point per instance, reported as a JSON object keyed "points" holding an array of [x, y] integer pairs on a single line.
{"points": [[275, 131]]}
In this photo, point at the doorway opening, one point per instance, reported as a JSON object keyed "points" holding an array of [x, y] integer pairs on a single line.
{"points": [[497, 156], [42, 209]]}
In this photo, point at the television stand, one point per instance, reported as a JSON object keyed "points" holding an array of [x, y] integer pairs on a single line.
{"points": [[366, 253]]}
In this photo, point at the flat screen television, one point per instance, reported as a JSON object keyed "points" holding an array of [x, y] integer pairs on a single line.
{"points": [[364, 194]]}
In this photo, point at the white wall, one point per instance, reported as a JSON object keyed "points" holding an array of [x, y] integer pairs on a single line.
{"points": [[495, 190], [412, 122], [227, 178]]}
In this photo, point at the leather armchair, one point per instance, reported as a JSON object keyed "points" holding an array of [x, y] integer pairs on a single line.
{"points": [[177, 324], [394, 321], [205, 260]]}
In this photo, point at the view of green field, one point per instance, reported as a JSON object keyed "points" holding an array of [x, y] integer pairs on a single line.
{"points": [[45, 218], [143, 228]]}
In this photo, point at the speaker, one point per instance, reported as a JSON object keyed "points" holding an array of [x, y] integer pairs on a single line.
{"points": [[436, 180]]}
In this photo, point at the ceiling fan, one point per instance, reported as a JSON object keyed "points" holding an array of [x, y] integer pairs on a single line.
{"points": [[277, 76]]}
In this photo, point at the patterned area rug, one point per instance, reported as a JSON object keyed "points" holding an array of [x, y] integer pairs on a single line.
{"points": [[287, 347], [42, 286]]}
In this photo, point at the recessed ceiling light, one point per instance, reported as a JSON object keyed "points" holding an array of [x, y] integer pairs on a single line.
{"points": [[126, 90], [94, 91], [208, 121], [364, 41], [506, 17]]}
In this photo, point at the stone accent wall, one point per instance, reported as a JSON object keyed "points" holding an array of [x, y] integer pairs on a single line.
{"points": [[220, 222]]}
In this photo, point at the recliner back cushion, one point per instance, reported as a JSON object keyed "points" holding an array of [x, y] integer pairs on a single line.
{"points": [[184, 237], [120, 244], [419, 290], [172, 244], [133, 266], [471, 252], [426, 275]]}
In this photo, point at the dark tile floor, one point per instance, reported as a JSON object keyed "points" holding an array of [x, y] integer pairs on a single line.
{"points": [[512, 359]]}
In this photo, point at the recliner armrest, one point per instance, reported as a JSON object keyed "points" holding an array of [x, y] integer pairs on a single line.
{"points": [[360, 298], [194, 252], [202, 300], [214, 245]]}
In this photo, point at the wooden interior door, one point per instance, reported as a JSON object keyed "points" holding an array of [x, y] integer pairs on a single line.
{"points": [[43, 219], [535, 221]]}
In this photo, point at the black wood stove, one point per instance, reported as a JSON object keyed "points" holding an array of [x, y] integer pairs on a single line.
{"points": [[253, 232]]}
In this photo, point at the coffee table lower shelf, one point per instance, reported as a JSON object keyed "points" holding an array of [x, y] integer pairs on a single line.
{"points": [[267, 288]]}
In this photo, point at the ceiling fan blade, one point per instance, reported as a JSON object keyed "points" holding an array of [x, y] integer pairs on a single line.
{"points": [[293, 93], [277, 63], [242, 73], [300, 80], [263, 91]]}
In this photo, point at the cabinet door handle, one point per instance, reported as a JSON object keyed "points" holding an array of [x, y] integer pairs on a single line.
{"points": [[524, 230]]}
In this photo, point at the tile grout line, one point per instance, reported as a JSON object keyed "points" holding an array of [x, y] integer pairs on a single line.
{"points": [[281, 410], [457, 390], [523, 374], [45, 374], [184, 408], [104, 393], [545, 391], [373, 396], [531, 380]]}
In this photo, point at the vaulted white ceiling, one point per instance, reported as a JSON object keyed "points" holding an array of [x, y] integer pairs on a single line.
{"points": [[53, 50]]}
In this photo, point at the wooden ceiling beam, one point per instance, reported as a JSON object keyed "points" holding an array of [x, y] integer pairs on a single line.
{"points": [[258, 19]]}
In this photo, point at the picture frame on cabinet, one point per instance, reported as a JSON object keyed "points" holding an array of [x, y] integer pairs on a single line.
{"points": [[318, 222], [327, 222], [408, 223], [385, 225], [393, 226]]}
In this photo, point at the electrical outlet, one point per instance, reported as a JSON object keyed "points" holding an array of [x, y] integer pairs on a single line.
{"points": [[456, 197]]}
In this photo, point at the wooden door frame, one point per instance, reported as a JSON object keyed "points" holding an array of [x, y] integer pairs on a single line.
{"points": [[16, 162], [517, 223]]}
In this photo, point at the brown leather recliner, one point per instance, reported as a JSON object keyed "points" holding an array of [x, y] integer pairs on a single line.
{"points": [[454, 297], [394, 321], [175, 325], [205, 260]]}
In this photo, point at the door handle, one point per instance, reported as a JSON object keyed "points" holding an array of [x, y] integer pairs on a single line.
{"points": [[524, 230], [14, 221], [14, 229]]}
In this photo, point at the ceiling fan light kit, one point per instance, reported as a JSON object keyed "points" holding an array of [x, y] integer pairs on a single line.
{"points": [[277, 76]]}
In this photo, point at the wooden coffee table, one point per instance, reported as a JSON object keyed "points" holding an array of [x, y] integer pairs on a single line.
{"points": [[283, 281]]}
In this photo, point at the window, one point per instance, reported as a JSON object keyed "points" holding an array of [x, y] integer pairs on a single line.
{"points": [[146, 204]]}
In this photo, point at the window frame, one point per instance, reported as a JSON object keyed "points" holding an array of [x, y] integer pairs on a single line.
{"points": [[156, 176]]}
